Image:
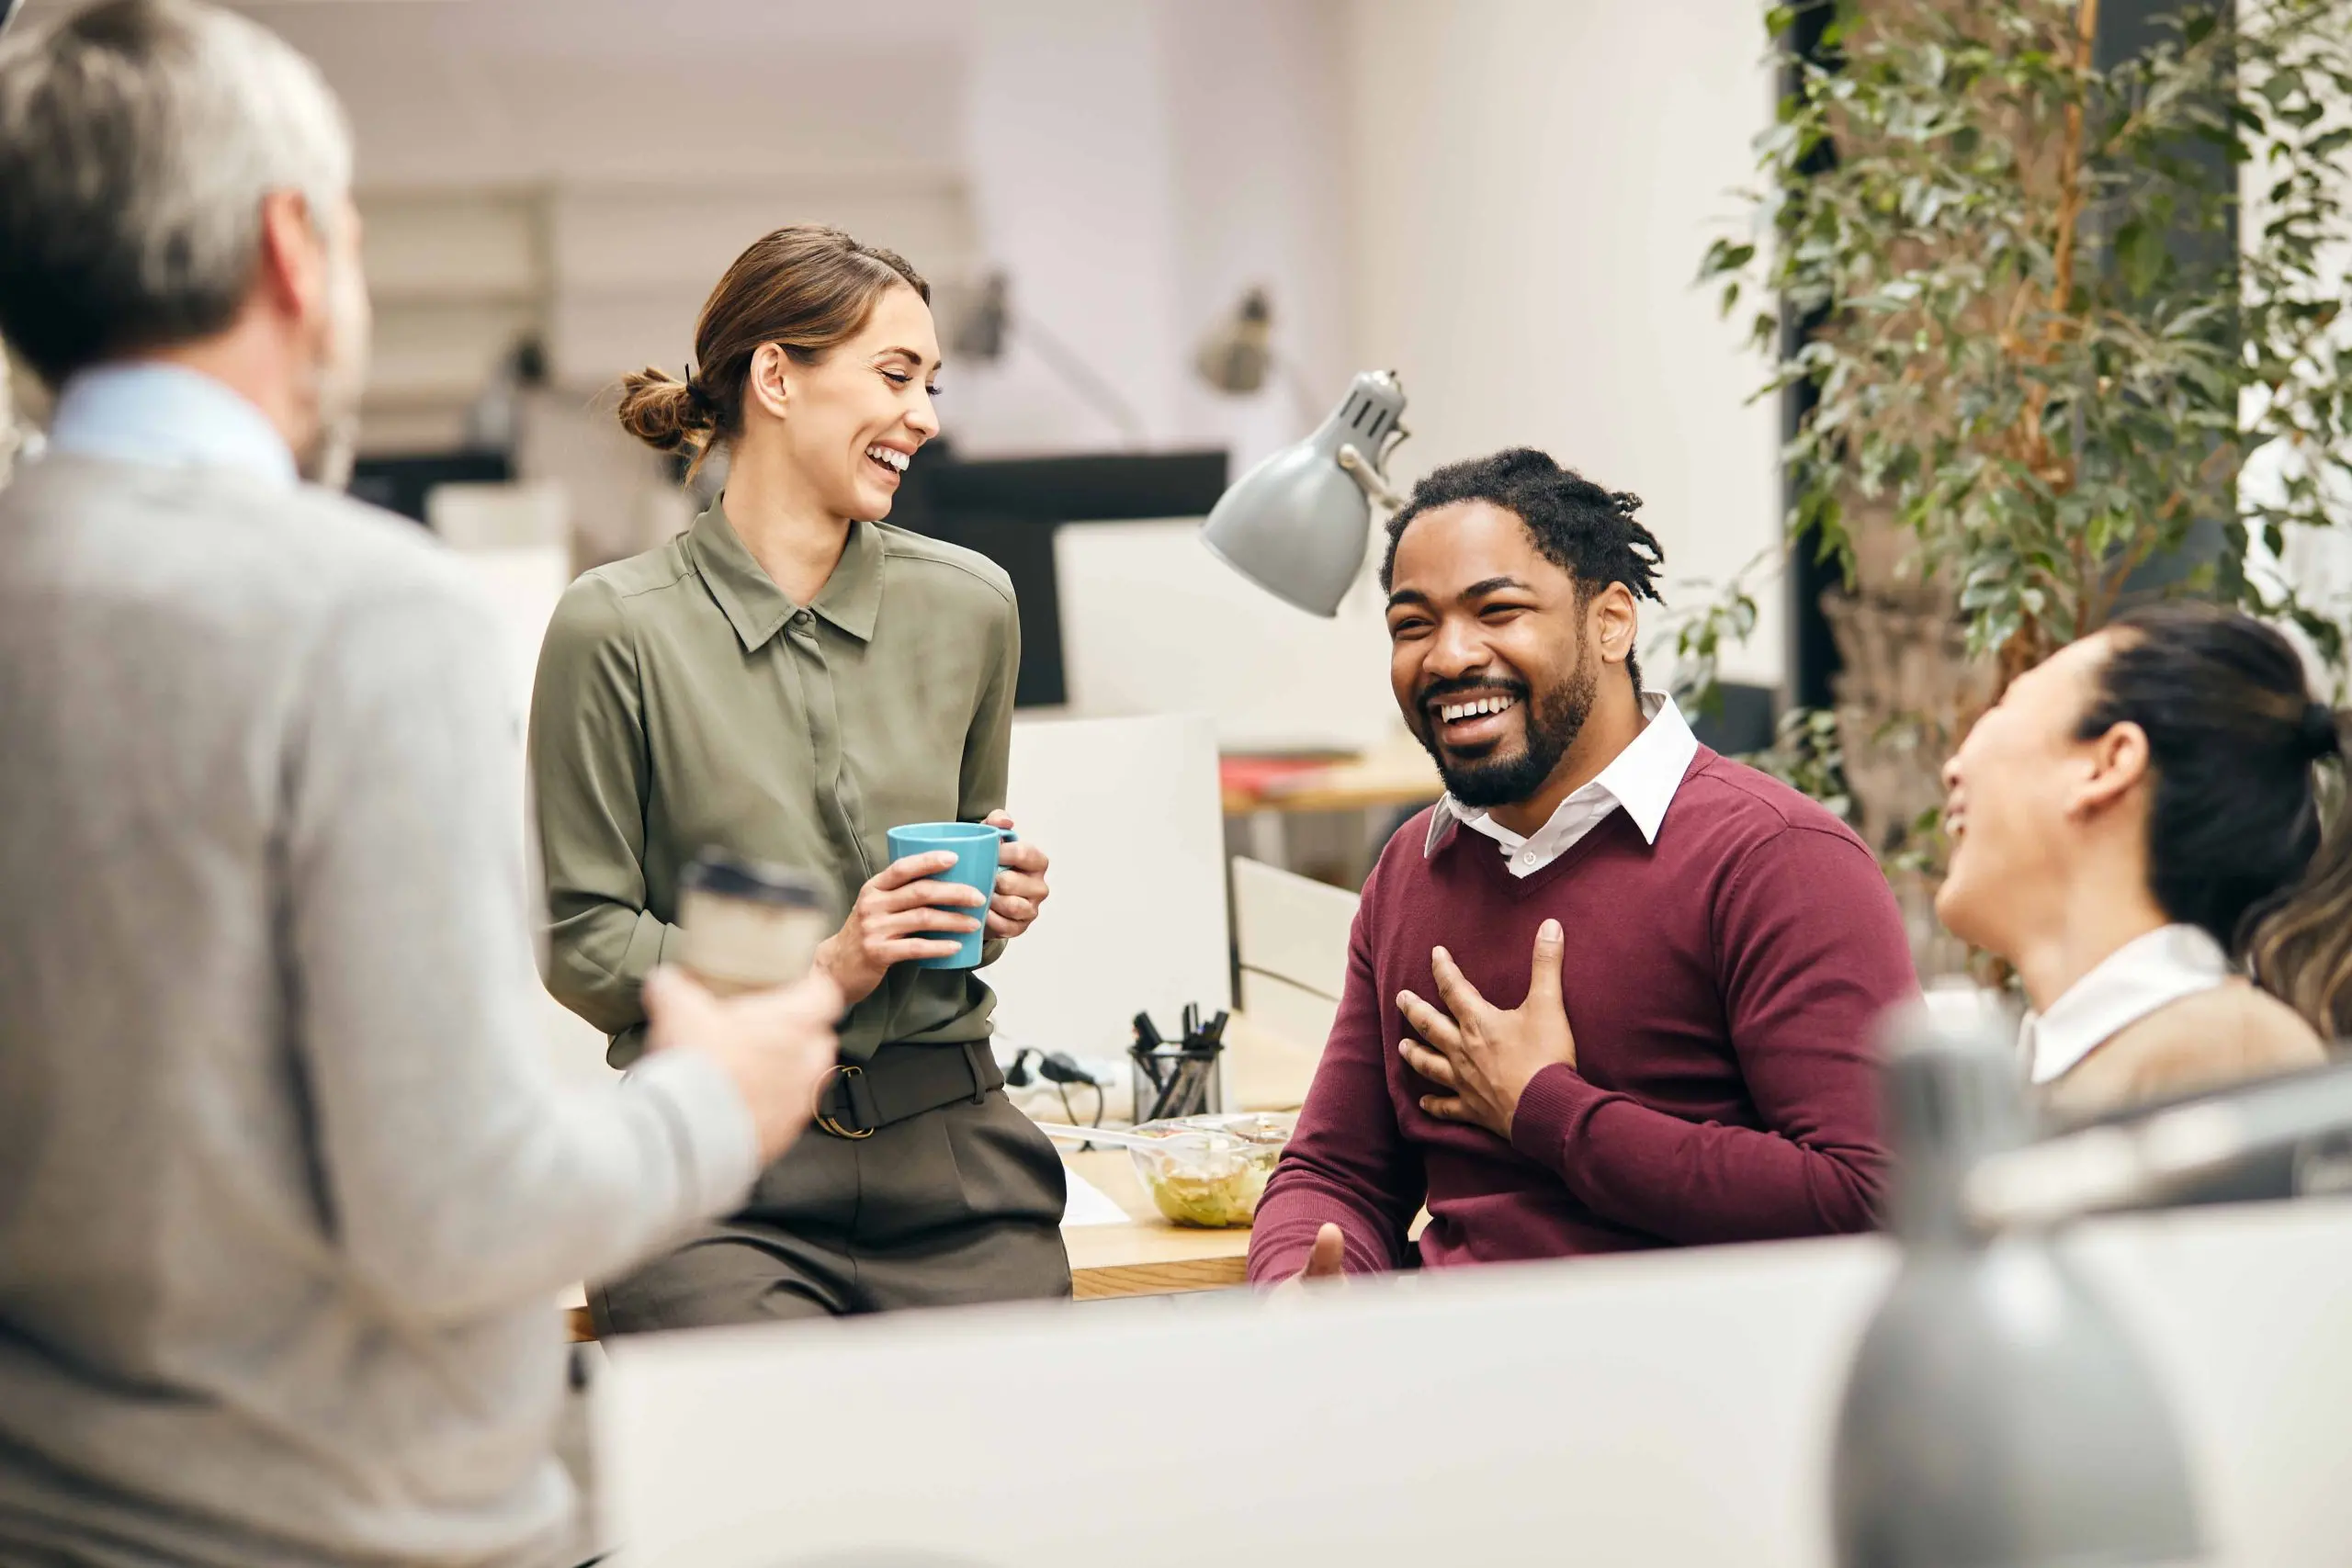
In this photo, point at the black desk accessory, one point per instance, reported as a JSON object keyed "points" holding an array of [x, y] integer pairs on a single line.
{"points": [[1178, 1079]]}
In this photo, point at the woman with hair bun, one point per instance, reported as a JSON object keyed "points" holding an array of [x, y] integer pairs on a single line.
{"points": [[786, 681], [2136, 828]]}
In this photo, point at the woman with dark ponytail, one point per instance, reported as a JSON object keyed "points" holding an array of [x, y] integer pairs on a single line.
{"points": [[2302, 951], [786, 681], [2137, 826]]}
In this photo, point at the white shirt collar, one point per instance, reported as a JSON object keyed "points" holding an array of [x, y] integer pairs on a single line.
{"points": [[166, 415], [2144, 974], [1641, 779]]}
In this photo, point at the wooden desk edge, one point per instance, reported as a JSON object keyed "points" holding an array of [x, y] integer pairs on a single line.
{"points": [[1112, 1281], [1335, 799], [1102, 1283]]}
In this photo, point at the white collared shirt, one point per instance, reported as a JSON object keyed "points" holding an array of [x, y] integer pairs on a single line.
{"points": [[2144, 974], [166, 415], [1642, 779]]}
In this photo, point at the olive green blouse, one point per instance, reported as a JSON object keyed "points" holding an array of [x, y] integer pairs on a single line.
{"points": [[684, 702]]}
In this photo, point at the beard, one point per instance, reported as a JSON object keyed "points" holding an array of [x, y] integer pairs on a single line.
{"points": [[328, 460], [338, 380], [1554, 718]]}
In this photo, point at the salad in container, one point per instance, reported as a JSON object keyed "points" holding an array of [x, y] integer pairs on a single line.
{"points": [[1210, 1171]]}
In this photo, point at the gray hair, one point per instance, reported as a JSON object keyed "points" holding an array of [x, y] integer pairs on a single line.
{"points": [[137, 141]]}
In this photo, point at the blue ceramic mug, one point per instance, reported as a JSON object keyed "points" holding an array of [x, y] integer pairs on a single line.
{"points": [[977, 847]]}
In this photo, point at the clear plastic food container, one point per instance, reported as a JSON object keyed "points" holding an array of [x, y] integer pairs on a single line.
{"points": [[1210, 1171]]}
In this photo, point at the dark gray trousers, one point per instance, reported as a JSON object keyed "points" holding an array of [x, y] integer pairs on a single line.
{"points": [[953, 1207]]}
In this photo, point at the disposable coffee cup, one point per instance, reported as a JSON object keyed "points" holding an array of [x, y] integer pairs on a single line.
{"points": [[749, 926]]}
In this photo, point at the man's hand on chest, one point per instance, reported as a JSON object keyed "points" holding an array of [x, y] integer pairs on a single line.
{"points": [[1480, 1056]]}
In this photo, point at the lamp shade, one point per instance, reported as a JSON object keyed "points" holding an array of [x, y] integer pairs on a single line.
{"points": [[1997, 1415], [1297, 524]]}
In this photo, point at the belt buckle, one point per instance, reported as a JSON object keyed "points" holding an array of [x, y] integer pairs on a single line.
{"points": [[847, 1073]]}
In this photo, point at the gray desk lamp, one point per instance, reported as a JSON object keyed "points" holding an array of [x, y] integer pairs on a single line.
{"points": [[1298, 522], [1997, 1414]]}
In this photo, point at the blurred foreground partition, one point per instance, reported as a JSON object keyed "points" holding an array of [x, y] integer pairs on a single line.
{"points": [[1666, 1410]]}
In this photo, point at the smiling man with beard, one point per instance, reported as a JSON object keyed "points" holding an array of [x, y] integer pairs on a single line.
{"points": [[1689, 1058]]}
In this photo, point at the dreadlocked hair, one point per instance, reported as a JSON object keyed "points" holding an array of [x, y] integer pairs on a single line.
{"points": [[1586, 531]]}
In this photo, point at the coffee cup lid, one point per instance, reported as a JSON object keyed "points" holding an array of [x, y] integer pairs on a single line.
{"points": [[728, 876]]}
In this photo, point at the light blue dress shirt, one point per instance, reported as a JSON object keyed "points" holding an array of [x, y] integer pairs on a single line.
{"points": [[167, 416]]}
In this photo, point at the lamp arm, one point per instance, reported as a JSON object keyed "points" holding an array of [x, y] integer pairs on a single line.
{"points": [[2124, 1164], [1066, 363], [1368, 479]]}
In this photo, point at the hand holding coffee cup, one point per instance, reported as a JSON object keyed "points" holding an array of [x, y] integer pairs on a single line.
{"points": [[905, 915], [776, 1046], [742, 993]]}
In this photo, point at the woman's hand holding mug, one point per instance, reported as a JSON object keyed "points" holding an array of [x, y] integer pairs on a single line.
{"points": [[888, 922], [1021, 890]]}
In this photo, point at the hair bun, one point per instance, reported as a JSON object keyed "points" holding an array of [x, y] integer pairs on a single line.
{"points": [[2320, 733], [664, 412]]}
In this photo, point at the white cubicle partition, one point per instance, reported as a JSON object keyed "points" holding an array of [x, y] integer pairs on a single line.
{"points": [[1662, 1410], [1291, 934], [1152, 623], [1128, 809], [516, 541]]}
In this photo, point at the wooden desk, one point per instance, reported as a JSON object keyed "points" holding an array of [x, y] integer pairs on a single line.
{"points": [[1339, 784], [1150, 1257], [1265, 793]]}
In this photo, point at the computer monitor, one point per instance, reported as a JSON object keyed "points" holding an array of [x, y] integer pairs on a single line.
{"points": [[1009, 508], [400, 482]]}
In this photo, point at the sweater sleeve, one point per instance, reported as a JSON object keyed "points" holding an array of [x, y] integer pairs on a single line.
{"points": [[1348, 1163], [459, 1175], [1810, 951]]}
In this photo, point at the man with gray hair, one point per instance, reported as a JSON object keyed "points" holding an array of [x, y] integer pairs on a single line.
{"points": [[287, 1186]]}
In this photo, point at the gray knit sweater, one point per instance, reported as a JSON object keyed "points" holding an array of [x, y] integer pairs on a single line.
{"points": [[287, 1189]]}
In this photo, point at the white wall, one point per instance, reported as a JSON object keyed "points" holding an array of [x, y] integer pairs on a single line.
{"points": [[1535, 182], [1504, 199], [1257, 90], [1134, 165], [571, 167], [523, 91]]}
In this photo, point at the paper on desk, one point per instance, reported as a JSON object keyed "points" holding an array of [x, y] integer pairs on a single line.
{"points": [[1090, 1205]]}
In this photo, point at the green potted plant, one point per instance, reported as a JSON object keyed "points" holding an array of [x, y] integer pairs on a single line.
{"points": [[2048, 308]]}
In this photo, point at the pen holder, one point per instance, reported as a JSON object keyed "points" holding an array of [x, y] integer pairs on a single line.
{"points": [[1176, 1080]]}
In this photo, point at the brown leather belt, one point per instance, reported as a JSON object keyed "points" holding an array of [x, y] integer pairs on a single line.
{"points": [[857, 1098]]}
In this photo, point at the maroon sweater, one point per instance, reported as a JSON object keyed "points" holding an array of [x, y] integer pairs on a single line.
{"points": [[1723, 984]]}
